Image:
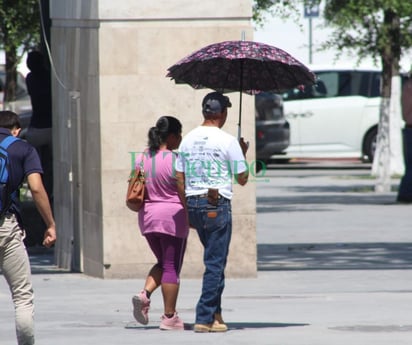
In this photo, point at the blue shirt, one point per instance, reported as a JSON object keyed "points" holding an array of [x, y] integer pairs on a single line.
{"points": [[24, 161]]}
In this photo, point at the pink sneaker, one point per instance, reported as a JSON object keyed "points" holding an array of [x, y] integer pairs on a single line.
{"points": [[141, 305], [173, 323]]}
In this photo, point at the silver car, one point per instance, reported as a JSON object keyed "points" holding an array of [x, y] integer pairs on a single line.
{"points": [[22, 102], [22, 105]]}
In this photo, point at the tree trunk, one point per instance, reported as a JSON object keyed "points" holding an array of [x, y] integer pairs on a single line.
{"points": [[11, 70], [11, 75], [397, 166], [390, 120], [387, 160], [381, 162]]}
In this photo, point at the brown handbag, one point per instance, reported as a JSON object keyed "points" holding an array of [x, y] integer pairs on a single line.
{"points": [[136, 189]]}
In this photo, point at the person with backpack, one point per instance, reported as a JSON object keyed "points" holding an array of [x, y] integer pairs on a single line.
{"points": [[19, 161]]}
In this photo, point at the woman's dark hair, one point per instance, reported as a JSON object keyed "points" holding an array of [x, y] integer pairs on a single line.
{"points": [[164, 126], [9, 120]]}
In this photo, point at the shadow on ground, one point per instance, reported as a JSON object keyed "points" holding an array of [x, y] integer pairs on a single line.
{"points": [[232, 326], [309, 256], [334, 256], [322, 201], [42, 261]]}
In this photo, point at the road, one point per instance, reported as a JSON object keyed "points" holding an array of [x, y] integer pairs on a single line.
{"points": [[335, 268], [330, 218]]}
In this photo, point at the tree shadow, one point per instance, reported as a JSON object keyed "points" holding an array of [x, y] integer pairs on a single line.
{"points": [[321, 196], [235, 326], [42, 261], [232, 326], [334, 256]]}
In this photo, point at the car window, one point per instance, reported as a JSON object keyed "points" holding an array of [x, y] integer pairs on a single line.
{"points": [[292, 94], [338, 84], [353, 84], [346, 84], [268, 106], [375, 88], [327, 85], [341, 83]]}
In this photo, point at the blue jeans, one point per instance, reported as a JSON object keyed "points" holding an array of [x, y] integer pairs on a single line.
{"points": [[405, 186], [214, 227]]}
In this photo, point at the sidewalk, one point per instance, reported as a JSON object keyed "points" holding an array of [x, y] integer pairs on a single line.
{"points": [[334, 264]]}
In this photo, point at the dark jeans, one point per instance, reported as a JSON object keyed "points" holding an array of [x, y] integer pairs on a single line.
{"points": [[405, 187], [214, 227]]}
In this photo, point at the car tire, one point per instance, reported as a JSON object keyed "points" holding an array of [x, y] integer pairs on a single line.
{"points": [[281, 160], [260, 164], [369, 144]]}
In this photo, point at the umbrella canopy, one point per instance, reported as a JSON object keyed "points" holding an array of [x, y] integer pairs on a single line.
{"points": [[243, 66]]}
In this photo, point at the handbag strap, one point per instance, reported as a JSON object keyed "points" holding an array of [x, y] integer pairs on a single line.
{"points": [[138, 170], [141, 164]]}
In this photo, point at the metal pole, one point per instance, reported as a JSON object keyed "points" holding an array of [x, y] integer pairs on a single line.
{"points": [[239, 125], [310, 40]]}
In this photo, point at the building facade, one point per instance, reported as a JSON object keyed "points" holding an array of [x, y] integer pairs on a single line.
{"points": [[109, 87]]}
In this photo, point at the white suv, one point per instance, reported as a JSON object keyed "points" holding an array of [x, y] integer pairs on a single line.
{"points": [[337, 117]]}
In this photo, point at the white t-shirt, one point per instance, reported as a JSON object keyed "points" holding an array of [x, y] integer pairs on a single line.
{"points": [[210, 157]]}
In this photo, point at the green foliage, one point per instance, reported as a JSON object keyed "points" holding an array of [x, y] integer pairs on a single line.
{"points": [[381, 29], [20, 24], [279, 8], [19, 32], [370, 27], [260, 8], [367, 27]]}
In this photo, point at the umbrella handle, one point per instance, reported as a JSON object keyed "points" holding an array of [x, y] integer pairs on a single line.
{"points": [[240, 100]]}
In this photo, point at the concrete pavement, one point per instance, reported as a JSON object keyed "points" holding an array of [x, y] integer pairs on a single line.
{"points": [[334, 264]]}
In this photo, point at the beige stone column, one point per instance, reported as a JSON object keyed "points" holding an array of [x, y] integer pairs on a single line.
{"points": [[111, 59]]}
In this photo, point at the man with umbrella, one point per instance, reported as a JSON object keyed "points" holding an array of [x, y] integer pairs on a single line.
{"points": [[208, 161]]}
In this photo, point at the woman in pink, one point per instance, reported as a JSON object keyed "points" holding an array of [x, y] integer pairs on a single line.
{"points": [[163, 222]]}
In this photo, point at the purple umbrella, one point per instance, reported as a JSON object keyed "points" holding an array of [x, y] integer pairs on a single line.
{"points": [[243, 66]]}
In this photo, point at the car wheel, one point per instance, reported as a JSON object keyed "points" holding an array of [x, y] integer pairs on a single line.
{"points": [[281, 160], [369, 145], [260, 164]]}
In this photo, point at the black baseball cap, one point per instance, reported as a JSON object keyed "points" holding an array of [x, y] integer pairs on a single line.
{"points": [[215, 103]]}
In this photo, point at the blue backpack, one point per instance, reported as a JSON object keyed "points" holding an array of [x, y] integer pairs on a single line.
{"points": [[5, 188]]}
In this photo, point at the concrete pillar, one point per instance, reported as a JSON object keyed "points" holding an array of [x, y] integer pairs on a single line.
{"points": [[110, 59]]}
